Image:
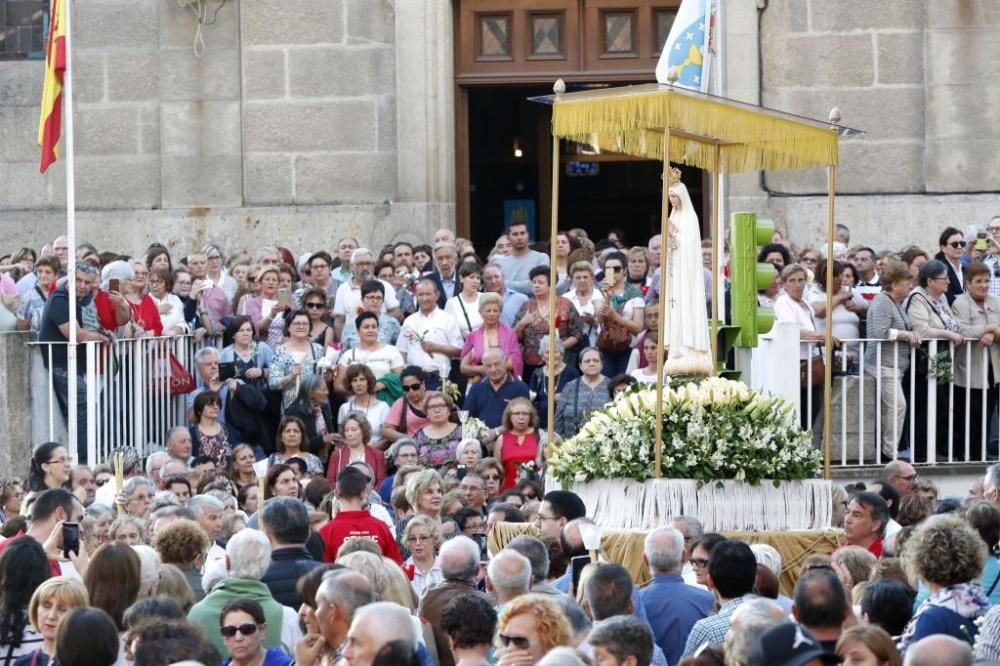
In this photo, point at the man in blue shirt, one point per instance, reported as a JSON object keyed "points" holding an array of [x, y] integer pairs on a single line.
{"points": [[488, 398], [493, 280], [672, 605], [608, 593]]}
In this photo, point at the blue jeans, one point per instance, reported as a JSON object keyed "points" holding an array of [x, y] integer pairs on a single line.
{"points": [[60, 385]]}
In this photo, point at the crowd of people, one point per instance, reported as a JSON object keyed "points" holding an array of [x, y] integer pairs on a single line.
{"points": [[173, 559], [352, 378]]}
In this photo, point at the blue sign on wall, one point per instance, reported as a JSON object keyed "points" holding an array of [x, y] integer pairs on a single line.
{"points": [[520, 210]]}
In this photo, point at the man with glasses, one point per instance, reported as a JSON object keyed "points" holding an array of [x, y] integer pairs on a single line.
{"points": [[348, 298], [488, 399], [558, 508], [473, 489], [902, 476]]}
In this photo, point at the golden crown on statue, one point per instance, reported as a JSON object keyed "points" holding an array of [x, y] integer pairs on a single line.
{"points": [[674, 177]]}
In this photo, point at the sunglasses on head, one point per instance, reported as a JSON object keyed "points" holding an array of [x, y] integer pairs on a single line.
{"points": [[245, 629], [520, 642]]}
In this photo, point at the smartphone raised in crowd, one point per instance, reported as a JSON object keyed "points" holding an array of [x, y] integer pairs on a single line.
{"points": [[578, 563], [71, 538], [484, 553]]}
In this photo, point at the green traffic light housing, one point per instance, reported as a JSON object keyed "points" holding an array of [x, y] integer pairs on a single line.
{"points": [[748, 277]]}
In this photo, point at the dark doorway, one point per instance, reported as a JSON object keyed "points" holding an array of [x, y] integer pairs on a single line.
{"points": [[510, 157]]}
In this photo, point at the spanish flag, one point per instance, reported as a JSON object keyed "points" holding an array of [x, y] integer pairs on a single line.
{"points": [[50, 117]]}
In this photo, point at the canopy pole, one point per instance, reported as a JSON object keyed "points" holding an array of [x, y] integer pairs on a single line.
{"points": [[72, 432], [716, 242], [831, 187], [559, 89], [661, 328]]}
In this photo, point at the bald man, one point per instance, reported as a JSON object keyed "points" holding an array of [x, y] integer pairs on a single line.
{"points": [[488, 399]]}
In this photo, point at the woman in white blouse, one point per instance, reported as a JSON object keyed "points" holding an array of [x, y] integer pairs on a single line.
{"points": [[464, 306], [161, 287], [792, 307]]}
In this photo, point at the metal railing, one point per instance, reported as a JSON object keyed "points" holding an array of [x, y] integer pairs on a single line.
{"points": [[128, 397], [944, 434]]}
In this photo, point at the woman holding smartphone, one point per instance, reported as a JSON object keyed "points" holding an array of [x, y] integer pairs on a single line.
{"points": [[533, 321], [265, 310], [620, 315]]}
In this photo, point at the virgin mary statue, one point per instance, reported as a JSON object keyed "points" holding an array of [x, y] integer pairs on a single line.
{"points": [[687, 319]]}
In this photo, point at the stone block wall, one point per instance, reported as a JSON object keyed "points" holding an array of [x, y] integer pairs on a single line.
{"points": [[919, 76], [285, 126]]}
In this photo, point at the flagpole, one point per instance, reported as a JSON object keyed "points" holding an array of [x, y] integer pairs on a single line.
{"points": [[719, 232], [71, 360]]}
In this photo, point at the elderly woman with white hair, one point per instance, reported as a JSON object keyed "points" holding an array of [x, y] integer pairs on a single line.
{"points": [[137, 496], [249, 556]]}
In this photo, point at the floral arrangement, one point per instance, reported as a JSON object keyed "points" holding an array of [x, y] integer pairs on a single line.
{"points": [[451, 390], [712, 430], [472, 427]]}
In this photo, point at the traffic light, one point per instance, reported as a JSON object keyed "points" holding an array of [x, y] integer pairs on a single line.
{"points": [[747, 276]]}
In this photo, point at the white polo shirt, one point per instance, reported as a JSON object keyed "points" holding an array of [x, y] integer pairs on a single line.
{"points": [[348, 299], [439, 327]]}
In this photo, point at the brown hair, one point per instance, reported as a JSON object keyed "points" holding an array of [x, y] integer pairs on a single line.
{"points": [[113, 578]]}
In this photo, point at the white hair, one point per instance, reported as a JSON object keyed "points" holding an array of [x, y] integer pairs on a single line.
{"points": [[561, 656], [360, 252], [768, 556], [200, 503], [152, 458], [150, 572], [133, 484], [465, 443], [116, 270], [393, 622], [249, 553], [204, 353], [460, 559], [661, 555], [509, 572]]}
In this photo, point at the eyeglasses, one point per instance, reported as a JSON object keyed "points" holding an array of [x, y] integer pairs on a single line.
{"points": [[699, 562], [993, 230], [58, 461], [319, 266], [520, 413], [908, 477], [437, 406], [299, 323], [492, 477], [101, 482], [245, 629], [956, 244], [419, 538], [520, 642], [315, 306], [539, 518], [412, 387]]}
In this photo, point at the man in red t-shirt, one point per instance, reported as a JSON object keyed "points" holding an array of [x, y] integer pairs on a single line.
{"points": [[353, 521], [49, 511]]}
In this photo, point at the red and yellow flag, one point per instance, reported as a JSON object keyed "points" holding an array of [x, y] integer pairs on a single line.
{"points": [[50, 117]]}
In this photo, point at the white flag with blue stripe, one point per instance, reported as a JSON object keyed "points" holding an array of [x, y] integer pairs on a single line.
{"points": [[689, 47]]}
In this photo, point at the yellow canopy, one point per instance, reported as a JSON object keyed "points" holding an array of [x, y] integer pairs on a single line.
{"points": [[631, 120]]}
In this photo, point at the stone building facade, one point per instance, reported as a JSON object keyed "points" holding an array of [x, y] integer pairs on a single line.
{"points": [[315, 119]]}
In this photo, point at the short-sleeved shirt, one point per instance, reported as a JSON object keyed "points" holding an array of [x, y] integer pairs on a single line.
{"points": [[55, 314], [414, 422], [487, 404], [348, 299], [380, 362]]}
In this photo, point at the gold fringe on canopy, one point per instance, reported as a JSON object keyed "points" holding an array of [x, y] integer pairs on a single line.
{"points": [[631, 120]]}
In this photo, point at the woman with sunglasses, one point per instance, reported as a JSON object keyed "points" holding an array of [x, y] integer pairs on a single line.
{"points": [[407, 415], [243, 628], [952, 244], [320, 325]]}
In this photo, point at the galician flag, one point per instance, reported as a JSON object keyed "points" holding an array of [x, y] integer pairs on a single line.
{"points": [[50, 116], [690, 45]]}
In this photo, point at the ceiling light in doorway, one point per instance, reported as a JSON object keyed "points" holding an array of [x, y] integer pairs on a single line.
{"points": [[518, 152]]}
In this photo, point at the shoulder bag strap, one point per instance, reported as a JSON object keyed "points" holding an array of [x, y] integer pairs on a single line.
{"points": [[461, 304]]}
